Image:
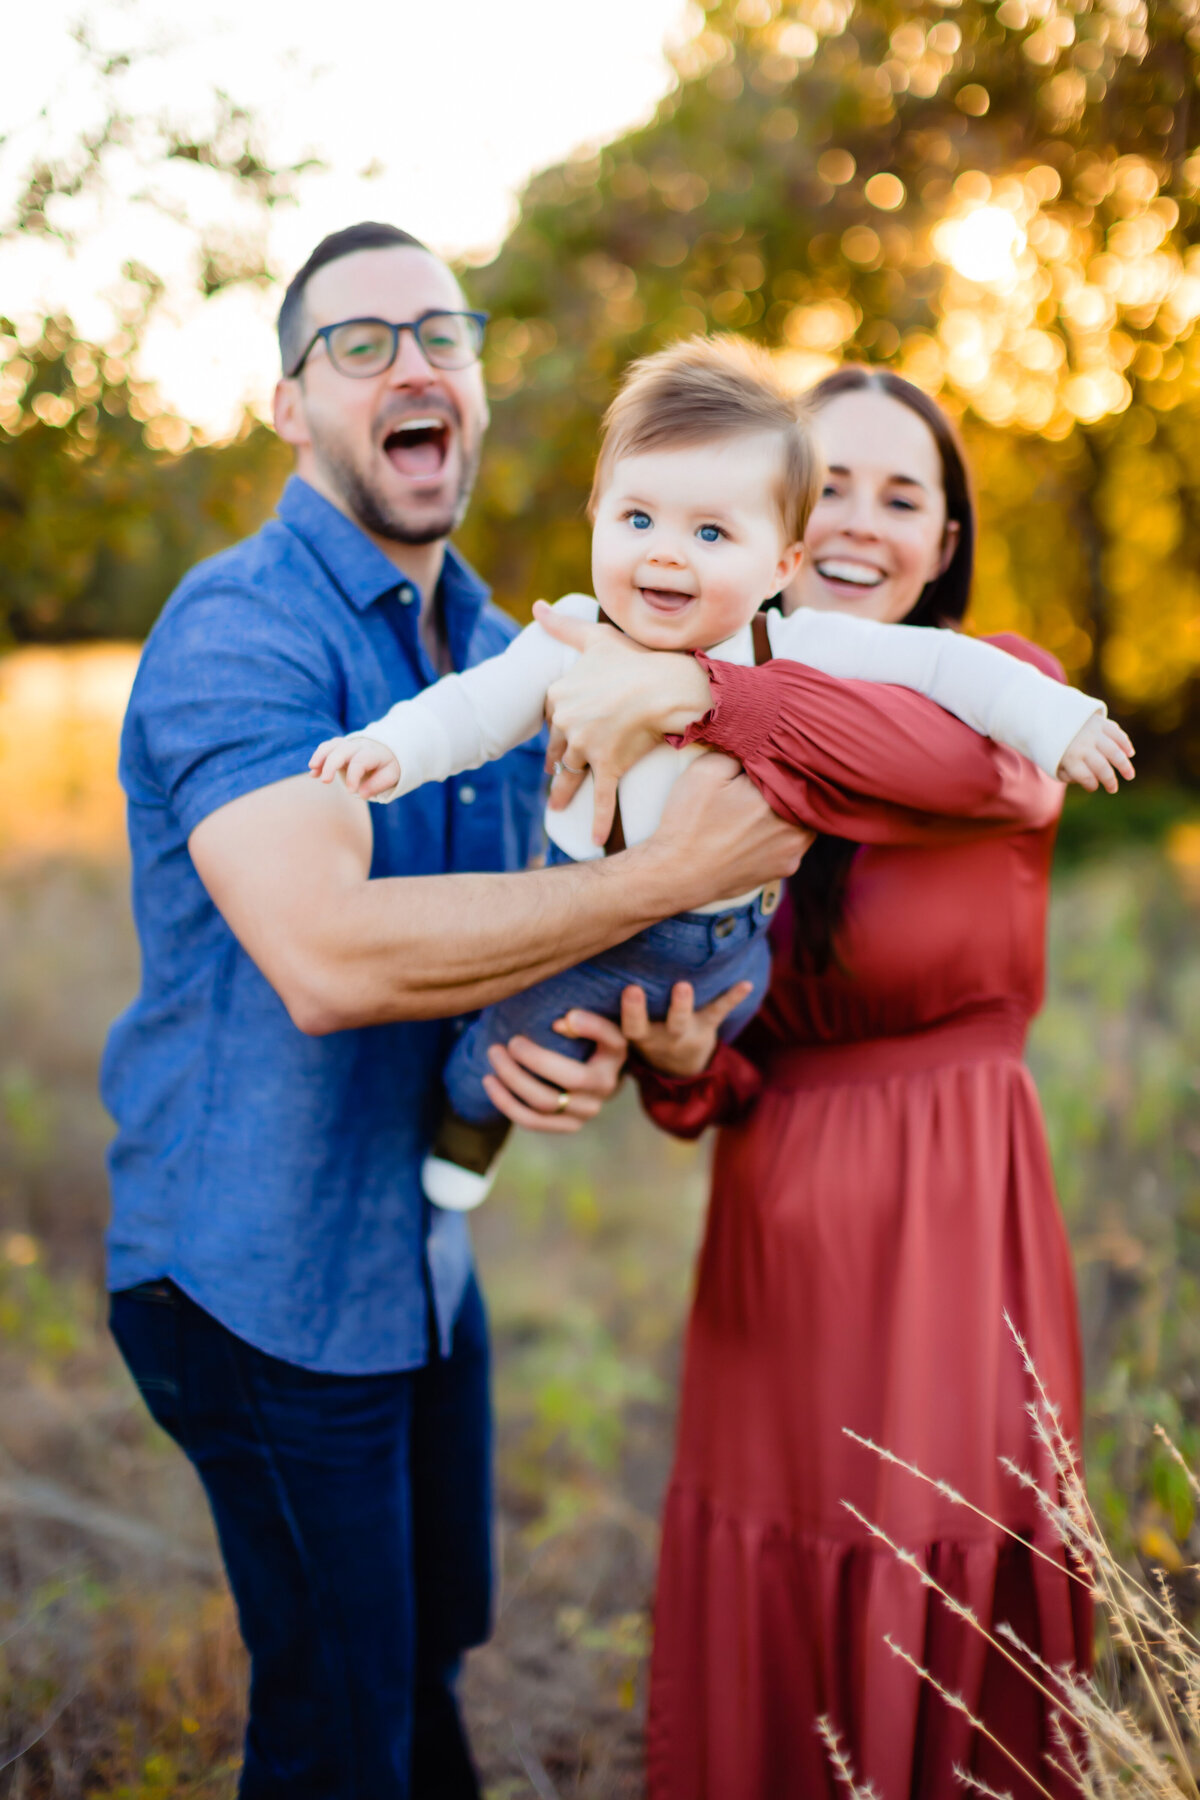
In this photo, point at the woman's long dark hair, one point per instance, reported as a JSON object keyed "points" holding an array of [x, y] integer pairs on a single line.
{"points": [[818, 889]]}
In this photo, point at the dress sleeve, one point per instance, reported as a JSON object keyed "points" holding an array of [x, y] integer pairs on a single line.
{"points": [[687, 1105], [1002, 696], [870, 762]]}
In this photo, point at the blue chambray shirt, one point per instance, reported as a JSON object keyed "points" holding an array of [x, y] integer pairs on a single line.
{"points": [[274, 1176]]}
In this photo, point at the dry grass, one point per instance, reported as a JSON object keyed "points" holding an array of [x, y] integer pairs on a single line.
{"points": [[1133, 1728]]}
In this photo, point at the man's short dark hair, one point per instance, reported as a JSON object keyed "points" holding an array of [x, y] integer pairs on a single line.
{"points": [[370, 235]]}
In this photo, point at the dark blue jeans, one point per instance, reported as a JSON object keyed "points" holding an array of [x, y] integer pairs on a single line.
{"points": [[354, 1515], [712, 951]]}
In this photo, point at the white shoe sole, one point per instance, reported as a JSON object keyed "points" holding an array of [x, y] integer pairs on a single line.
{"points": [[457, 1189]]}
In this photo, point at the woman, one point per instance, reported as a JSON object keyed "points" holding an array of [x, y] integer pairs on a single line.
{"points": [[882, 1195]]}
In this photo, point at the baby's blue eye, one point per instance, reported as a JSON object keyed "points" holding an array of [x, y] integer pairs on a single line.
{"points": [[711, 534], [640, 521]]}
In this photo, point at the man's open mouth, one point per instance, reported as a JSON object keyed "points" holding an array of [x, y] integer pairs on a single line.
{"points": [[848, 573], [419, 447], [666, 600]]}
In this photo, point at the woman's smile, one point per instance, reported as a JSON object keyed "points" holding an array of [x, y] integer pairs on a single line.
{"points": [[845, 571]]}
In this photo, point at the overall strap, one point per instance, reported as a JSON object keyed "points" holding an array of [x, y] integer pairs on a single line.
{"points": [[615, 842]]}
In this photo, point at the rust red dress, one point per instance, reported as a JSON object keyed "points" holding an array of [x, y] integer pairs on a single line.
{"points": [[882, 1195]]}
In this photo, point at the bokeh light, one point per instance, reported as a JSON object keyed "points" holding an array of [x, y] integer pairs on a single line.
{"points": [[983, 245]]}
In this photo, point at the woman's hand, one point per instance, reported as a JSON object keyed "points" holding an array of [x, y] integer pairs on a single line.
{"points": [[529, 1081], [612, 707], [683, 1044]]}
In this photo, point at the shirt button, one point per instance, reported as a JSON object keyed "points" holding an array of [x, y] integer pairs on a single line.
{"points": [[405, 593], [466, 795], [770, 898], [724, 926]]}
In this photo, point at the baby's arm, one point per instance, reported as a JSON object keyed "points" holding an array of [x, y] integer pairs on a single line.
{"points": [[456, 724], [1062, 730]]}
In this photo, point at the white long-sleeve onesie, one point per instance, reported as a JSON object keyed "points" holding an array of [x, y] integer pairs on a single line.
{"points": [[466, 720]]}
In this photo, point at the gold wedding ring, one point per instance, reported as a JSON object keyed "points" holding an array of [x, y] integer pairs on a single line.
{"points": [[562, 1103]]}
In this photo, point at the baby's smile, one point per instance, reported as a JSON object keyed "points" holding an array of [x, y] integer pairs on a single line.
{"points": [[671, 602]]}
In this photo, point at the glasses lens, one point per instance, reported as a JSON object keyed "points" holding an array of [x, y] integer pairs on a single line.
{"points": [[450, 340], [362, 347]]}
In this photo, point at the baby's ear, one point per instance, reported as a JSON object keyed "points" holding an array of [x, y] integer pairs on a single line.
{"points": [[788, 565]]}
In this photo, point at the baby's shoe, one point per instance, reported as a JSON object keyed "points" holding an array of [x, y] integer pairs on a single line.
{"points": [[460, 1167], [450, 1185]]}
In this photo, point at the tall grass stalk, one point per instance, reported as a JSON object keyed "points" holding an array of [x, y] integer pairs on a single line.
{"points": [[1149, 1748]]}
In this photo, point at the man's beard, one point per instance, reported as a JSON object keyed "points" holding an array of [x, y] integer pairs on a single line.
{"points": [[375, 516]]}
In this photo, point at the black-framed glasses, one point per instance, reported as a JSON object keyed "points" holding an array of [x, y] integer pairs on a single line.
{"points": [[365, 347]]}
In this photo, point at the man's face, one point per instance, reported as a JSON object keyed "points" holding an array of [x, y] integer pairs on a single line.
{"points": [[397, 451]]}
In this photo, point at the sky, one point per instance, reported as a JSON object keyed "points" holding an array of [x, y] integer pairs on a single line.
{"points": [[429, 113]]}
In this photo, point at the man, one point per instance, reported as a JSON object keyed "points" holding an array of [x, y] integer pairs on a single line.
{"points": [[295, 1314]]}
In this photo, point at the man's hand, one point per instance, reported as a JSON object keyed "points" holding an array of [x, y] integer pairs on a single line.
{"points": [[369, 767], [612, 707], [719, 837], [529, 1081], [1095, 756], [683, 1043]]}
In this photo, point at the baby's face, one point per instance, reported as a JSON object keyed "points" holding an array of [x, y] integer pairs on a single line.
{"points": [[688, 543]]}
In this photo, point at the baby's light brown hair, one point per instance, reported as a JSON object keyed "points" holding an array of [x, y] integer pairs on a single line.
{"points": [[704, 390]]}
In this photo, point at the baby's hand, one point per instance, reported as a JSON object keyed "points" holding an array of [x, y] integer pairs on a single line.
{"points": [[1097, 754], [368, 766]]}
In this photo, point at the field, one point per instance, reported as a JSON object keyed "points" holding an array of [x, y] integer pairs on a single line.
{"points": [[120, 1670]]}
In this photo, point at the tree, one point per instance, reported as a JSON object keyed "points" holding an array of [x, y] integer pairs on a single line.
{"points": [[998, 201], [105, 497]]}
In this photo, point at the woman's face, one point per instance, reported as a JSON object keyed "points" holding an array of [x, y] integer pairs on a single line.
{"points": [[878, 532]]}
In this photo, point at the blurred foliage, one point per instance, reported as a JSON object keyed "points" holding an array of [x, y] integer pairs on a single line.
{"points": [[998, 200], [1116, 1053], [1146, 815], [104, 501]]}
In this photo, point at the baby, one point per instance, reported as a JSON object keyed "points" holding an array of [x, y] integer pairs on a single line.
{"points": [[706, 476]]}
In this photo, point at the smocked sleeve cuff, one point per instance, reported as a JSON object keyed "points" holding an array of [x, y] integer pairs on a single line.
{"points": [[687, 1105], [737, 722]]}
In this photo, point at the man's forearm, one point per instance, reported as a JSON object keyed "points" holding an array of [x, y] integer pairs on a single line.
{"points": [[288, 867], [431, 946]]}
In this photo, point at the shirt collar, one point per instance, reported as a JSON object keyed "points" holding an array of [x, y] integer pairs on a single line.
{"points": [[360, 568]]}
